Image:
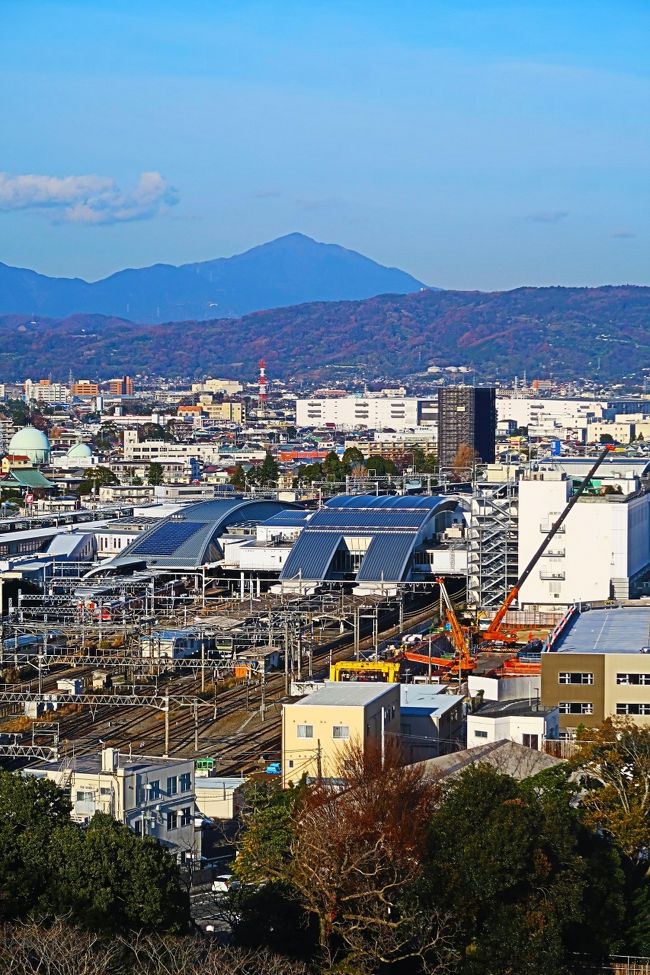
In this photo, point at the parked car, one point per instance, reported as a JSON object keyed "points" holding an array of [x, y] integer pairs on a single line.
{"points": [[224, 883]]}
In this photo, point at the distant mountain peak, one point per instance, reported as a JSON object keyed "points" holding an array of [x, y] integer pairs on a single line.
{"points": [[290, 270]]}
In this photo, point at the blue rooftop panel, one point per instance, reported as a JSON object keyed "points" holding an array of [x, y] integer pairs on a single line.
{"points": [[311, 556], [387, 558], [370, 518], [168, 537]]}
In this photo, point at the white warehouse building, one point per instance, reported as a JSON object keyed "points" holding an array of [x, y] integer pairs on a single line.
{"points": [[371, 413]]}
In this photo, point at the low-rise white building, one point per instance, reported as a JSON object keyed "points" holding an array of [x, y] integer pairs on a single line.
{"points": [[152, 796], [522, 721]]}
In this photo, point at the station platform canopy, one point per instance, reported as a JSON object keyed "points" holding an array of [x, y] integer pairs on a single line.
{"points": [[370, 537], [189, 538]]}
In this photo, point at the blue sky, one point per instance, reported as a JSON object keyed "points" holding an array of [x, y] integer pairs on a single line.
{"points": [[475, 144]]}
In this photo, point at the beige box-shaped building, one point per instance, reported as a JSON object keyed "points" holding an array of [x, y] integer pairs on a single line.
{"points": [[600, 669], [317, 729]]}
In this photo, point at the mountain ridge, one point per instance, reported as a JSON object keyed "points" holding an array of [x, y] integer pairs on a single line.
{"points": [[289, 270], [563, 332]]}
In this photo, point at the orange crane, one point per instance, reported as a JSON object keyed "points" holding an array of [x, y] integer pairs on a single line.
{"points": [[463, 661], [494, 632]]}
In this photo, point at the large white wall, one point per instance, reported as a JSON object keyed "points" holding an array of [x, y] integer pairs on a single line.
{"points": [[546, 416], [603, 540], [373, 413]]}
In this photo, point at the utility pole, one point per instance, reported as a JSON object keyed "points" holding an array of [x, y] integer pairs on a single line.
{"points": [[166, 713], [196, 727], [286, 654]]}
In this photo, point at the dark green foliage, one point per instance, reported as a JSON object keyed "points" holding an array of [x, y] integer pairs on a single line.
{"points": [[94, 478], [30, 811], [527, 885], [111, 879], [380, 465], [104, 876], [155, 474]]}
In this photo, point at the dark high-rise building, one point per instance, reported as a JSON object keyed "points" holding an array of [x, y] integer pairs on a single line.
{"points": [[466, 415]]}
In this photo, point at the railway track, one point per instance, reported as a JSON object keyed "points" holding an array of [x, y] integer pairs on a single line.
{"points": [[235, 731]]}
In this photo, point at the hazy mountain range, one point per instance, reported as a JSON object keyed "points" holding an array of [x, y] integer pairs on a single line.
{"points": [[286, 271], [559, 332]]}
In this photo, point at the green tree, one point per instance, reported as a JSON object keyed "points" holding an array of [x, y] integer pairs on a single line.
{"points": [[238, 478], [382, 466], [155, 474], [606, 438], [351, 457], [311, 472], [265, 849], [518, 883], [109, 879], [333, 469], [268, 472], [615, 762], [30, 811], [94, 478]]}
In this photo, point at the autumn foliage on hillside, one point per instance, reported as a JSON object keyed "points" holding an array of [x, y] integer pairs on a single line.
{"points": [[563, 332]]}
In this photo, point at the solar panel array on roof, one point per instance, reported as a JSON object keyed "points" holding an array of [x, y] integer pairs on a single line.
{"points": [[384, 501], [168, 537], [387, 558], [368, 518]]}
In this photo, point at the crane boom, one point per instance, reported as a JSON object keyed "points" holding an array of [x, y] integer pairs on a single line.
{"points": [[494, 632]]}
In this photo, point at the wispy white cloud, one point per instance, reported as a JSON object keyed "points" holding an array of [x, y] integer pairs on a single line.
{"points": [[548, 216], [88, 199]]}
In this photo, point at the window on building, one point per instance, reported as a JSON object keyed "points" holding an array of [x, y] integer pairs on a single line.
{"points": [[105, 791], [172, 820], [340, 731], [480, 734], [575, 677], [633, 708], [185, 782], [186, 816], [85, 795], [305, 731], [530, 741], [576, 707], [154, 789], [172, 785], [635, 680]]}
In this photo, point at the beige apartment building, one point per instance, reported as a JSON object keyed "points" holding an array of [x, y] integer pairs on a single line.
{"points": [[601, 669], [318, 728]]}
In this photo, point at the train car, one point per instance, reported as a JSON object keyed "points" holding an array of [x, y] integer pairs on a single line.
{"points": [[366, 671]]}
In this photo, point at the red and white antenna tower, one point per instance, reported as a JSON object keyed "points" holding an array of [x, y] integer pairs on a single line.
{"points": [[262, 394]]}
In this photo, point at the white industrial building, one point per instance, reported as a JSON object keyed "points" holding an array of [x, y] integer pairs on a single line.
{"points": [[370, 413], [549, 417], [601, 551]]}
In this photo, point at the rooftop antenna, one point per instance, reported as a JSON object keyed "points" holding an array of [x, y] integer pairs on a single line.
{"points": [[262, 385]]}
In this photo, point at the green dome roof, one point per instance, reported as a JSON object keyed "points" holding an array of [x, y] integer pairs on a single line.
{"points": [[32, 443], [80, 450]]}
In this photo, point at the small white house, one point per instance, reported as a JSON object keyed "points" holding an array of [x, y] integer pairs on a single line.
{"points": [[520, 721]]}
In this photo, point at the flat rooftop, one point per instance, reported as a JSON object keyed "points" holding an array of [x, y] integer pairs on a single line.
{"points": [[621, 630], [520, 707], [341, 694]]}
